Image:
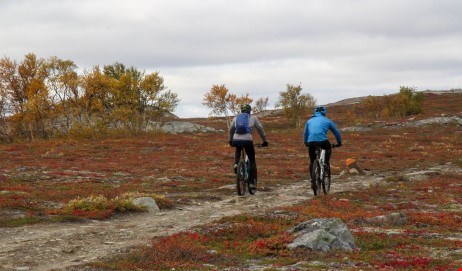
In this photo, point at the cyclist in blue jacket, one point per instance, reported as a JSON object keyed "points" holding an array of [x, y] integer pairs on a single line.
{"points": [[315, 135]]}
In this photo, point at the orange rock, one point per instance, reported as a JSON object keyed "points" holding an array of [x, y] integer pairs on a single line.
{"points": [[349, 162]]}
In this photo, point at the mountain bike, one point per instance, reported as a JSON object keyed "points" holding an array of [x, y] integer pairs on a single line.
{"points": [[320, 172], [242, 174]]}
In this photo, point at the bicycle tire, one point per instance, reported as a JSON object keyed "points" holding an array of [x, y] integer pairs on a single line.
{"points": [[317, 180], [326, 184], [253, 191], [240, 178]]}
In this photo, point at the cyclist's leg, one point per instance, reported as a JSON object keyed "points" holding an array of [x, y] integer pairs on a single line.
{"points": [[328, 147], [312, 153], [237, 153], [250, 150]]}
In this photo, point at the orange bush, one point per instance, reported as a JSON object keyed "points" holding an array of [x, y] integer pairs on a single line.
{"points": [[182, 250]]}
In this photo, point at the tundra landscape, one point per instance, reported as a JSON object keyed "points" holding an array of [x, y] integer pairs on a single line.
{"points": [[68, 204], [116, 152]]}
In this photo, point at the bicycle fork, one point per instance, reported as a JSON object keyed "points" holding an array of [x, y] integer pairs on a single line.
{"points": [[322, 158], [247, 164]]}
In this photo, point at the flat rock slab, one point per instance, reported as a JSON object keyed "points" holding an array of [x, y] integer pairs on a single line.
{"points": [[323, 234]]}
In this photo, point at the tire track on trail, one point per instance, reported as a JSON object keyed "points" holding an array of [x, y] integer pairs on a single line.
{"points": [[59, 246]]}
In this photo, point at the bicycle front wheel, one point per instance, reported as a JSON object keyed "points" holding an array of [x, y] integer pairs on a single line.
{"points": [[315, 175], [240, 178]]}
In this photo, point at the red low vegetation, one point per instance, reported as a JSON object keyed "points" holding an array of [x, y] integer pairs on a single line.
{"points": [[41, 178], [57, 171], [233, 242]]}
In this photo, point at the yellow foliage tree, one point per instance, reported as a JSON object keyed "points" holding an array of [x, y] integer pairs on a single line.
{"points": [[24, 85], [260, 104], [407, 102], [218, 100], [224, 103], [45, 96], [234, 104], [295, 104], [62, 82]]}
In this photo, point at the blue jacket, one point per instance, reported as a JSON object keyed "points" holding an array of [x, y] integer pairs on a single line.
{"points": [[316, 129]]}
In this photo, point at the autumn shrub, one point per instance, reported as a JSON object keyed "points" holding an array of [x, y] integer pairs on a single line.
{"points": [[14, 199], [100, 206], [124, 203], [162, 201], [93, 207], [89, 203], [406, 103], [80, 131], [183, 251], [248, 228], [448, 220], [273, 245]]}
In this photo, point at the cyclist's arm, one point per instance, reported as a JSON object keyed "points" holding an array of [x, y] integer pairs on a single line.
{"points": [[336, 132], [260, 129], [232, 129], [305, 133]]}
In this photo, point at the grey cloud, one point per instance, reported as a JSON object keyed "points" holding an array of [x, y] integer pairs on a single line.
{"points": [[329, 46]]}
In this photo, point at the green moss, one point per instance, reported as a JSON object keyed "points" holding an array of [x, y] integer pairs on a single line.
{"points": [[20, 221]]}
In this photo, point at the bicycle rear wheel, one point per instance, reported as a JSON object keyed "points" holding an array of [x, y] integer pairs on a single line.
{"points": [[240, 178], [315, 175], [254, 190], [326, 183]]}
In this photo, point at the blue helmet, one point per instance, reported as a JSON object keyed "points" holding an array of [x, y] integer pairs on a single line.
{"points": [[320, 109]]}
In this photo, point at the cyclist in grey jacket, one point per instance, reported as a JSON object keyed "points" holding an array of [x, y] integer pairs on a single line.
{"points": [[246, 141]]}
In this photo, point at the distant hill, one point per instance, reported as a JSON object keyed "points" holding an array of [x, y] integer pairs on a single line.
{"points": [[349, 111], [356, 100]]}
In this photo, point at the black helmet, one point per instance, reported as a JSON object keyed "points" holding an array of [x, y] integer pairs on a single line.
{"points": [[320, 109], [246, 108]]}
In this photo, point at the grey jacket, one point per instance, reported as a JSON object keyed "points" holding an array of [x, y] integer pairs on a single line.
{"points": [[253, 123]]}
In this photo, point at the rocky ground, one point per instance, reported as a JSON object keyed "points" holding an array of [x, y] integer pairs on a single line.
{"points": [[65, 246]]}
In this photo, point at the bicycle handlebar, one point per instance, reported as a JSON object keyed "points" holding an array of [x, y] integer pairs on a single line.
{"points": [[259, 145]]}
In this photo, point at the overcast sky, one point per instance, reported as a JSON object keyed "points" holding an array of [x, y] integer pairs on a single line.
{"points": [[335, 49]]}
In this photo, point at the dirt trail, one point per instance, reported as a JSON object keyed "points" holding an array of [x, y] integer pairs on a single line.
{"points": [[60, 246]]}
